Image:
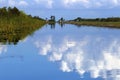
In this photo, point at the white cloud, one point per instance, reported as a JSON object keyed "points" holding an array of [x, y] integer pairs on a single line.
{"points": [[112, 62], [45, 47], [116, 2], [74, 4], [49, 4], [23, 3], [46, 3], [3, 48], [12, 2], [2, 1], [55, 57], [82, 54], [71, 3], [90, 3], [24, 40], [17, 3], [64, 67]]}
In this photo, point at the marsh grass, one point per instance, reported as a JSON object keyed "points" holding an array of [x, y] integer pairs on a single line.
{"points": [[16, 28], [96, 23]]}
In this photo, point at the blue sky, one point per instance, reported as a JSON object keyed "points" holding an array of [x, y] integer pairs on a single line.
{"points": [[67, 8]]}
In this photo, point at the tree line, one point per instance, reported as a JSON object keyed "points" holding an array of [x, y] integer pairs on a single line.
{"points": [[15, 25], [9, 12], [109, 19], [6, 12]]}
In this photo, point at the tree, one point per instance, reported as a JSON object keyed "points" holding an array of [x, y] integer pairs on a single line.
{"points": [[16, 11], [52, 18], [78, 19], [3, 11], [61, 20]]}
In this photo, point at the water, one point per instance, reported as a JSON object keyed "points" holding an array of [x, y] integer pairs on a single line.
{"points": [[63, 53]]}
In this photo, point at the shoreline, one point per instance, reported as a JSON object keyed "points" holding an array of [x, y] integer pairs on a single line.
{"points": [[95, 23]]}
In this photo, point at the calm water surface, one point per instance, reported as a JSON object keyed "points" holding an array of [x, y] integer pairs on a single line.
{"points": [[63, 53]]}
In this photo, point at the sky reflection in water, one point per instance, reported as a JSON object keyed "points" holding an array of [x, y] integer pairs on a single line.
{"points": [[84, 50], [81, 50]]}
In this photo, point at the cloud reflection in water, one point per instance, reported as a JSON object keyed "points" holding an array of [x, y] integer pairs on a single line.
{"points": [[3, 48], [98, 55]]}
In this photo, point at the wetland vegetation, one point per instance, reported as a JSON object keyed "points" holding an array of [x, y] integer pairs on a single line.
{"points": [[111, 22], [15, 25]]}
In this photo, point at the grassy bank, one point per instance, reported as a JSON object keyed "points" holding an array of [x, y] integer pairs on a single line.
{"points": [[112, 22], [16, 25], [96, 23]]}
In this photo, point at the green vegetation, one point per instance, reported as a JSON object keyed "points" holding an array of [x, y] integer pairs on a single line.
{"points": [[51, 20], [15, 25], [110, 19], [112, 22]]}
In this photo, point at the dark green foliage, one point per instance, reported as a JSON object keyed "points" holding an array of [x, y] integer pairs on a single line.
{"points": [[9, 12], [110, 19], [78, 19], [52, 19], [37, 17], [13, 11], [15, 25], [61, 20], [111, 22]]}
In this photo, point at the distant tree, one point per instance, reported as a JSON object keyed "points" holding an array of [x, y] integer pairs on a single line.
{"points": [[37, 17], [52, 18], [3, 11], [97, 19], [78, 19], [12, 12], [29, 16], [9, 9], [61, 20], [15, 11]]}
